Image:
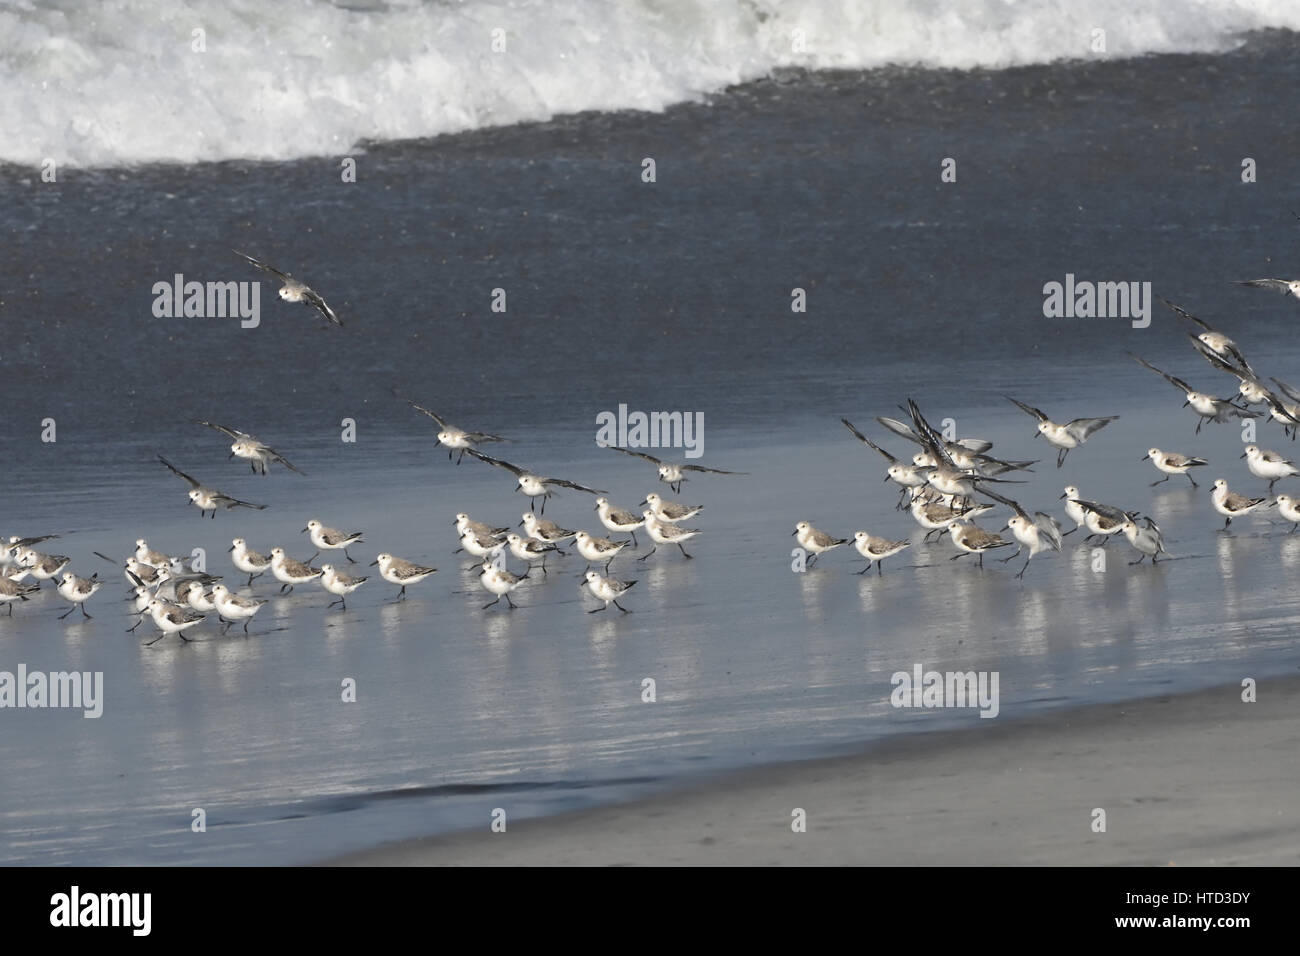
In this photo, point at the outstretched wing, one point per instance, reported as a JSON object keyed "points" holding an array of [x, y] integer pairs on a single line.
{"points": [[176, 471], [575, 486], [635, 454], [902, 429], [1171, 379], [442, 422], [1027, 409], [1106, 511], [988, 493], [519, 472], [1049, 528], [1277, 285], [262, 265], [234, 433], [1187, 315], [314, 297], [868, 442], [712, 471], [1081, 428]]}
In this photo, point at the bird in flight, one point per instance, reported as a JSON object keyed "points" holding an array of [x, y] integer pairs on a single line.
{"points": [[208, 499], [670, 472], [293, 290], [252, 449], [534, 486]]}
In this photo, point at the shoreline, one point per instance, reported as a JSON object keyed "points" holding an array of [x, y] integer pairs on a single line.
{"points": [[1191, 779]]}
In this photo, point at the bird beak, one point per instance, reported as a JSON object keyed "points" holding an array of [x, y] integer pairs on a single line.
{"points": [[794, 532], [1185, 404], [1242, 455], [886, 477], [303, 530], [641, 505], [229, 549], [1144, 458], [373, 563], [1062, 496], [520, 525]]}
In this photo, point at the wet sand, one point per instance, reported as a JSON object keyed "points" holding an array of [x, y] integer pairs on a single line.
{"points": [[1193, 779]]}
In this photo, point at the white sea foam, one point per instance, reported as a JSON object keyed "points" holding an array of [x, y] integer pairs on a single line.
{"points": [[117, 81]]}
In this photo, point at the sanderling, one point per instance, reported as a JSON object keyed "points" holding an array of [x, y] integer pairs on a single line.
{"points": [[530, 550], [11, 590], [146, 574], [452, 438], [233, 608], [401, 572], [671, 511], [208, 499], [1063, 437], [876, 549], [331, 539], [293, 290], [289, 571], [1215, 342], [662, 532], [140, 598], [464, 521], [1252, 390], [1146, 539], [1290, 410], [1034, 532], [477, 545], [14, 544], [810, 539], [336, 582], [253, 450], [670, 473], [1268, 465], [1102, 520], [194, 595], [171, 619], [500, 582], [903, 430], [43, 566], [907, 476], [247, 560], [608, 590], [936, 517], [543, 529], [943, 474], [974, 540], [596, 550], [1289, 508], [1172, 463], [1230, 504], [534, 486], [1209, 407], [617, 520], [1285, 286], [78, 591], [147, 555]]}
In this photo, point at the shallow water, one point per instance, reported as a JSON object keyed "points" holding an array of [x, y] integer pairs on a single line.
{"points": [[666, 296]]}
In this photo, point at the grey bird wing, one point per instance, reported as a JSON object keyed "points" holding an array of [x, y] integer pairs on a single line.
{"points": [[180, 474], [977, 445], [1081, 428], [1187, 315], [262, 265], [1049, 528], [635, 454], [574, 485], [1287, 390], [442, 422], [322, 307], [868, 442], [1277, 285], [902, 429], [1027, 409], [929, 438], [234, 433], [712, 471], [988, 493], [519, 472], [1171, 379], [1106, 511]]}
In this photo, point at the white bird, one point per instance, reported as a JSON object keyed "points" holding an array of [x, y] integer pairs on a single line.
{"points": [[294, 290], [289, 571], [1146, 539], [671, 511], [617, 520], [331, 539], [1172, 463], [11, 590], [1033, 532], [253, 450], [818, 542], [971, 539], [500, 582], [452, 438], [534, 486], [171, 619], [671, 473], [595, 550], [1230, 504], [1289, 508], [1064, 437], [401, 572], [608, 590], [1268, 465], [336, 582], [1209, 407], [233, 608], [208, 499], [662, 532], [876, 549], [247, 560]]}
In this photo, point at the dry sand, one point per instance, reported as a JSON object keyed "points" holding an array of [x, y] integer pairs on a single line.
{"points": [[1200, 778]]}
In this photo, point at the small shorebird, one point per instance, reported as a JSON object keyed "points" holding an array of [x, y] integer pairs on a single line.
{"points": [[597, 550], [876, 549], [1230, 504], [500, 582], [294, 291], [248, 560], [971, 539], [452, 438], [233, 608], [253, 450], [1172, 463], [617, 520], [43, 566], [906, 476], [401, 572], [1289, 508], [464, 521], [1285, 286], [534, 486], [11, 590], [331, 539], [289, 571], [936, 517], [543, 529], [1268, 465], [530, 550], [671, 473], [818, 542], [336, 582], [171, 619], [1064, 437], [477, 545], [147, 555], [1146, 539], [1213, 341], [1101, 520], [1033, 532], [208, 499], [671, 511], [1209, 407], [662, 532], [194, 595], [608, 590]]}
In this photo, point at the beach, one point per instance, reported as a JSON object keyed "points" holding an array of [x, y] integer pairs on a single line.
{"points": [[1199, 779]]}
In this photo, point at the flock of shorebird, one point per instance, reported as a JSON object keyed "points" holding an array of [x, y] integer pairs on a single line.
{"points": [[942, 486], [177, 596], [945, 481]]}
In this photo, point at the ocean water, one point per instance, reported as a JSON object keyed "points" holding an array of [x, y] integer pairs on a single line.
{"points": [[521, 175]]}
